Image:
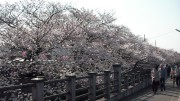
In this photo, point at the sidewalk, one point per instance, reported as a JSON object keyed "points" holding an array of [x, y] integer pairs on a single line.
{"points": [[171, 94]]}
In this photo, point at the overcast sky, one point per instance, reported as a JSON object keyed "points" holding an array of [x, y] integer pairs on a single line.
{"points": [[157, 19]]}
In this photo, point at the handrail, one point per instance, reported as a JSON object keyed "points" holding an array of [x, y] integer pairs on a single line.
{"points": [[5, 88], [55, 81], [56, 95], [111, 82]]}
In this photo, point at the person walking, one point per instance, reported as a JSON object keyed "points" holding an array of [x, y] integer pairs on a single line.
{"points": [[177, 75], [173, 77], [155, 79], [163, 76], [168, 70]]}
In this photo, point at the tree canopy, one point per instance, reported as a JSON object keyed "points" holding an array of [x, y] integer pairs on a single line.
{"points": [[79, 38]]}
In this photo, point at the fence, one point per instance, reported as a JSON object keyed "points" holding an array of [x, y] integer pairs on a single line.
{"points": [[110, 85]]}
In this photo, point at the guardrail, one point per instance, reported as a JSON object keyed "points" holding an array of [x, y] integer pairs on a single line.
{"points": [[109, 85]]}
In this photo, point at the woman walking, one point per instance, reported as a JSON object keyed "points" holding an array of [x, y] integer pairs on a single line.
{"points": [[155, 79]]}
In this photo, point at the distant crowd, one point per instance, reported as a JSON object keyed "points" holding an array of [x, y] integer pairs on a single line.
{"points": [[160, 73]]}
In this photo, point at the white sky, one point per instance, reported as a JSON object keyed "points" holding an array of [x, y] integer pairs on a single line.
{"points": [[157, 19]]}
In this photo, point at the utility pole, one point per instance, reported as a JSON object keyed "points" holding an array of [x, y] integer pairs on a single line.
{"points": [[144, 38]]}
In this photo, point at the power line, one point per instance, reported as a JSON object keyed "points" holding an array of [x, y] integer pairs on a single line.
{"points": [[161, 35]]}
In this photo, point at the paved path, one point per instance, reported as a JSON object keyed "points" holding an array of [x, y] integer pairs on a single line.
{"points": [[171, 94]]}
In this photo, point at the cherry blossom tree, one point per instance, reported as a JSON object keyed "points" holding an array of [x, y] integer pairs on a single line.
{"points": [[80, 40]]}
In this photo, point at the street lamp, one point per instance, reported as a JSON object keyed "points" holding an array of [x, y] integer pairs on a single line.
{"points": [[177, 30]]}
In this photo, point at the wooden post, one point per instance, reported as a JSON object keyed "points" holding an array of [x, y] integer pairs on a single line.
{"points": [[117, 76], [37, 90], [71, 87], [107, 84], [92, 84]]}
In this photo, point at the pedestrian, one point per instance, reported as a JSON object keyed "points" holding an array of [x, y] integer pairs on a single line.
{"points": [[163, 76], [177, 75], [155, 79], [173, 77], [168, 70]]}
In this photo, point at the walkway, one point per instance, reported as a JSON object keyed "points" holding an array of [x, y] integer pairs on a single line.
{"points": [[171, 94]]}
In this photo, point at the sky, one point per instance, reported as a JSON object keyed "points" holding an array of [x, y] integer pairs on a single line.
{"points": [[156, 19]]}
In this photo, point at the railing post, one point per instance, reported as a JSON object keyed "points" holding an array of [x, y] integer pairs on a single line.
{"points": [[71, 87], [92, 84], [144, 81], [126, 85], [138, 77], [144, 78], [107, 84], [147, 79], [37, 90], [133, 77], [117, 76]]}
